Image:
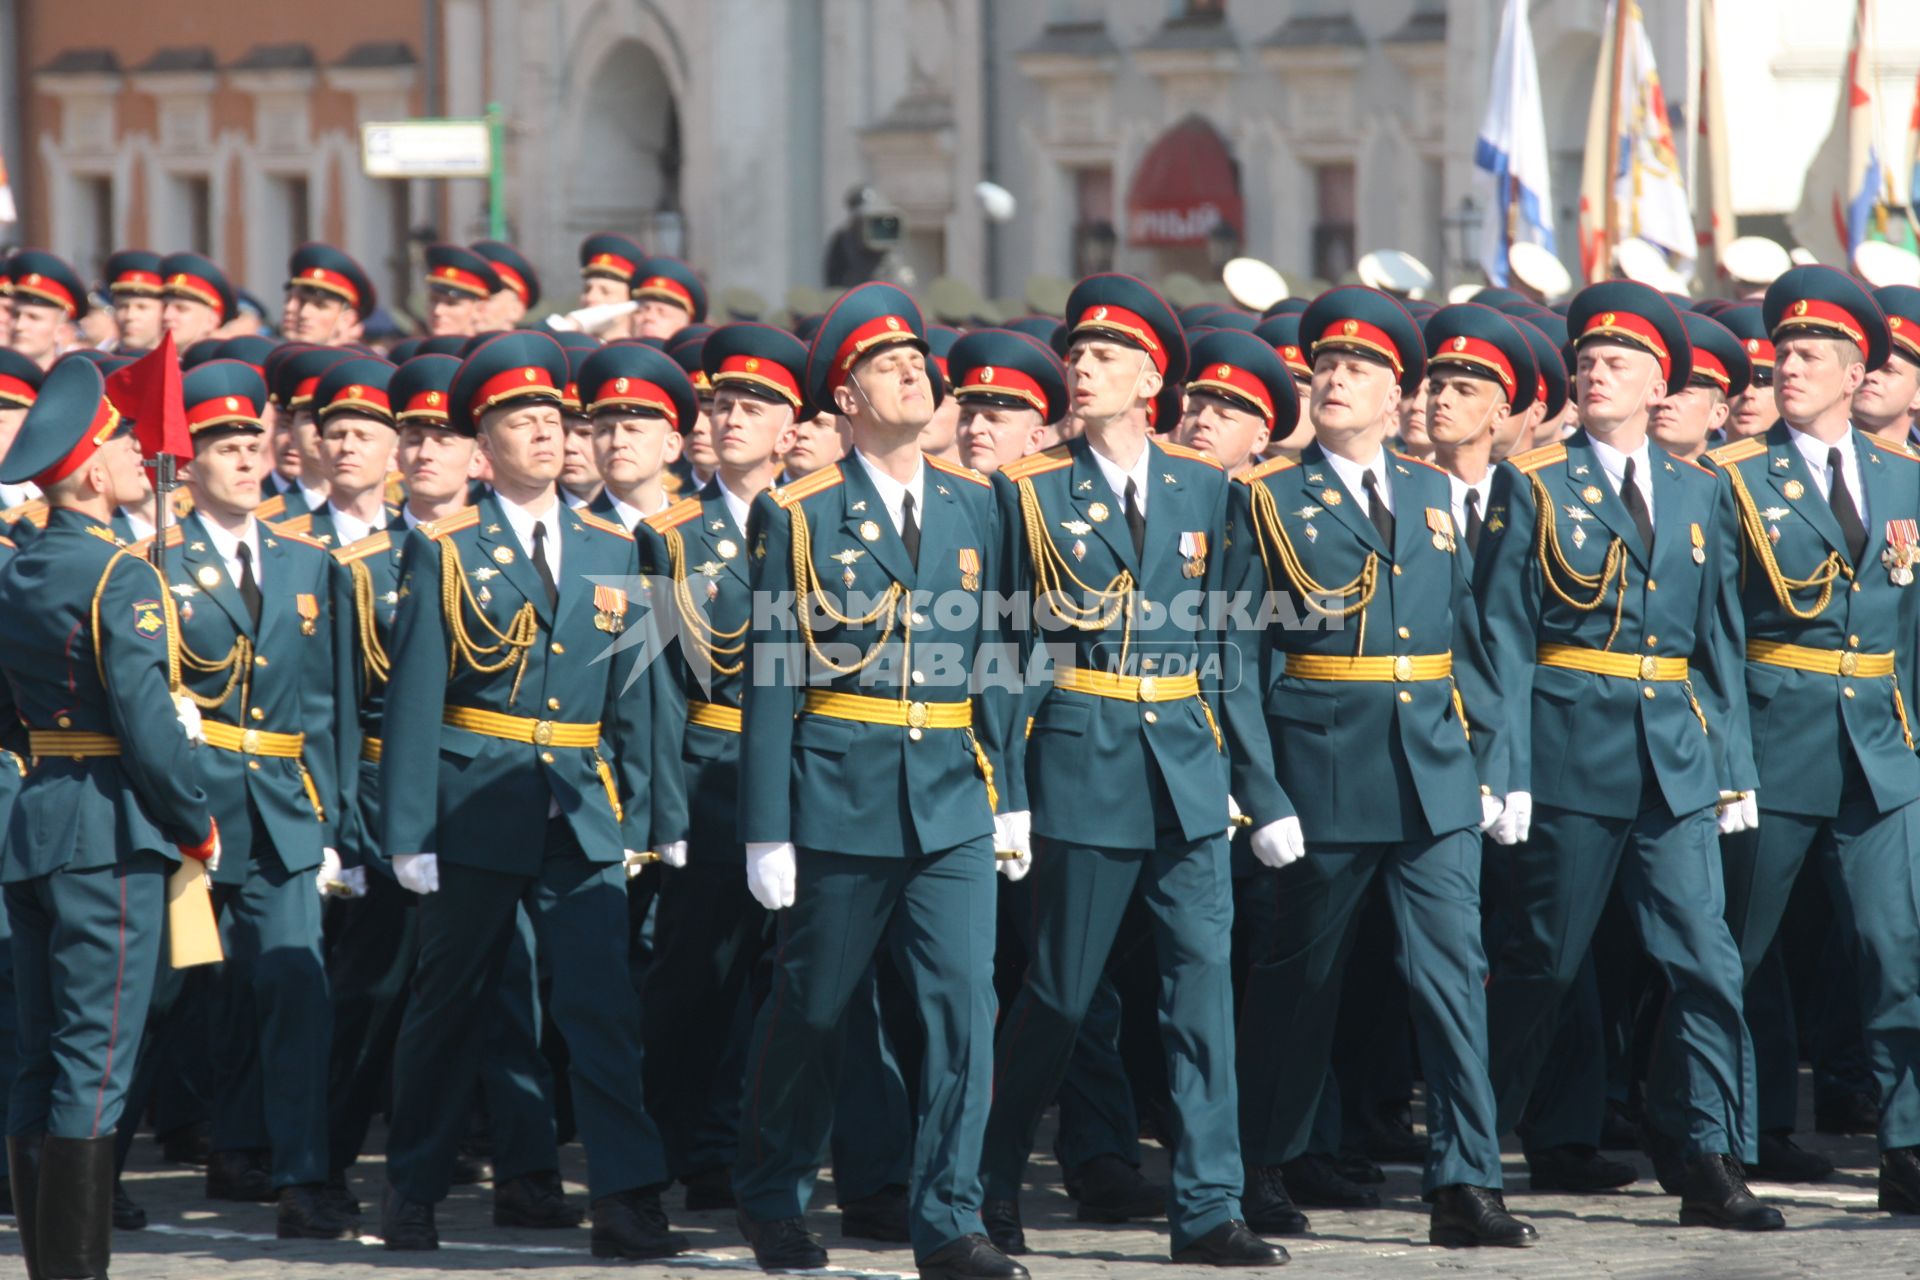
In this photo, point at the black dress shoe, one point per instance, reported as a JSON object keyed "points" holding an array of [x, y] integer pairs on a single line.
{"points": [[1002, 1220], [1848, 1112], [1269, 1209], [406, 1225], [535, 1200], [341, 1201], [1783, 1160], [127, 1215], [881, 1216], [1358, 1166], [188, 1144], [304, 1215], [1577, 1168], [1390, 1139], [1715, 1194], [709, 1189], [1619, 1131], [468, 1170], [971, 1257], [782, 1244], [1900, 1180], [1465, 1217], [631, 1224], [1668, 1156], [1316, 1184], [240, 1175], [1231, 1244], [1111, 1190]]}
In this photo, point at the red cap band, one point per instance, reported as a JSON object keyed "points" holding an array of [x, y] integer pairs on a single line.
{"points": [[221, 411], [1295, 360], [998, 380], [757, 371], [1811, 313], [607, 264], [667, 289], [1477, 353], [429, 405], [371, 401], [106, 420], [1358, 333], [44, 289], [1708, 366], [1128, 324], [514, 384], [461, 281], [877, 332], [332, 281], [570, 397], [303, 392], [196, 288], [18, 392], [1635, 331], [141, 282], [1233, 381], [513, 280], [1905, 335], [1760, 352], [635, 393]]}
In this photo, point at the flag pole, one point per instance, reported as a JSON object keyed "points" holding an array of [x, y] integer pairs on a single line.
{"points": [[1609, 228]]}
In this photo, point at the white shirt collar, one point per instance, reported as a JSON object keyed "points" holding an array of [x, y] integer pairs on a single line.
{"points": [[1459, 489], [573, 499], [227, 547], [1813, 451], [893, 493], [137, 523], [1117, 479], [522, 521], [1614, 463], [316, 498], [737, 506], [347, 528], [1353, 476], [12, 495]]}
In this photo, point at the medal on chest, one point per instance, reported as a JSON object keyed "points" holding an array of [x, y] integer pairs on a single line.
{"points": [[1903, 547], [1193, 548], [610, 609]]}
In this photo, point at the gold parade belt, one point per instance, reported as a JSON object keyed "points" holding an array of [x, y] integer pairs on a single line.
{"points": [[253, 742], [1621, 666], [540, 733], [370, 750], [1105, 684], [1824, 662], [714, 716], [892, 712], [1403, 668], [76, 743]]}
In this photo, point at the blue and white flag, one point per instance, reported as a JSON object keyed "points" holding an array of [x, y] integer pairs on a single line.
{"points": [[1512, 150]]}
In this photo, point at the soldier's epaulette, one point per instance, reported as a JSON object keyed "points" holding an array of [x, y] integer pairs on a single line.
{"points": [[1036, 464], [295, 535], [1893, 447], [593, 521], [674, 516], [1705, 471], [1271, 467], [371, 545], [956, 469], [1739, 451], [1534, 459], [298, 524], [272, 509], [806, 486], [1191, 455], [464, 518], [1420, 462], [182, 503], [396, 488], [33, 511], [173, 537]]}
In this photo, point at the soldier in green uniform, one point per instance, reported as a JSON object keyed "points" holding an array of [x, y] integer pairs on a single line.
{"points": [[1829, 531], [609, 263], [1605, 578], [106, 812], [48, 298], [867, 775], [519, 290], [197, 298], [460, 285], [671, 297], [133, 283], [354, 418], [19, 383], [540, 759], [257, 658], [292, 373], [329, 297]]}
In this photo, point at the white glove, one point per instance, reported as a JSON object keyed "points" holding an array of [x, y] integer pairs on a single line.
{"points": [[1233, 813], [1490, 809], [1279, 843], [1740, 815], [635, 861], [355, 878], [1516, 819], [187, 712], [328, 879], [673, 853], [212, 864], [772, 872], [419, 872], [1013, 833]]}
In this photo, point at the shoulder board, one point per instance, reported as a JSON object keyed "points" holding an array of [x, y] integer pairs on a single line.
{"points": [[292, 534], [956, 469], [182, 502], [1705, 471], [272, 509], [593, 521], [1418, 462], [33, 511], [806, 486], [299, 524], [371, 545], [396, 488], [1040, 463], [464, 518], [674, 516], [1738, 451], [1191, 455], [1893, 447], [173, 537], [1271, 467], [1534, 459]]}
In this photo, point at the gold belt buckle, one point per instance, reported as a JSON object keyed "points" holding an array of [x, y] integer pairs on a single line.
{"points": [[1849, 663], [1648, 666], [542, 733], [1147, 688], [917, 715], [1403, 667], [250, 742]]}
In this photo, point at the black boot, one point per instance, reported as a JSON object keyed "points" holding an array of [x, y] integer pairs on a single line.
{"points": [[709, 1188], [631, 1224], [1900, 1180], [1316, 1184], [536, 1200], [1466, 1217], [1577, 1168], [782, 1244], [23, 1162], [1111, 1190], [1714, 1194], [127, 1213], [75, 1209], [1002, 1220], [406, 1225], [1783, 1160], [881, 1216], [245, 1175], [1270, 1210]]}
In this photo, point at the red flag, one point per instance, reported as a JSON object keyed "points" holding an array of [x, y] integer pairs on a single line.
{"points": [[148, 392]]}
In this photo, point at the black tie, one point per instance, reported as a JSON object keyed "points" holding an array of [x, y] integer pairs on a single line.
{"points": [[1636, 504], [1377, 508], [910, 530], [249, 585], [540, 565], [1473, 519], [1840, 498], [1136, 522]]}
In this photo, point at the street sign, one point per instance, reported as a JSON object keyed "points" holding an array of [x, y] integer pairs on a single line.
{"points": [[426, 149]]}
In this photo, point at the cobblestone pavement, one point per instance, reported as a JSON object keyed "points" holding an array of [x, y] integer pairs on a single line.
{"points": [[1833, 1230]]}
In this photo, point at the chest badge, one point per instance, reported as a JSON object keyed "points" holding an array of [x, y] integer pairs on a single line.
{"points": [[846, 561], [1331, 497], [609, 609], [1903, 547], [1307, 512], [969, 569], [1079, 549], [1078, 528], [503, 555], [870, 531], [1193, 547], [1590, 494], [308, 607], [208, 577], [1699, 544], [1793, 489], [1440, 521], [1097, 512], [727, 548]]}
